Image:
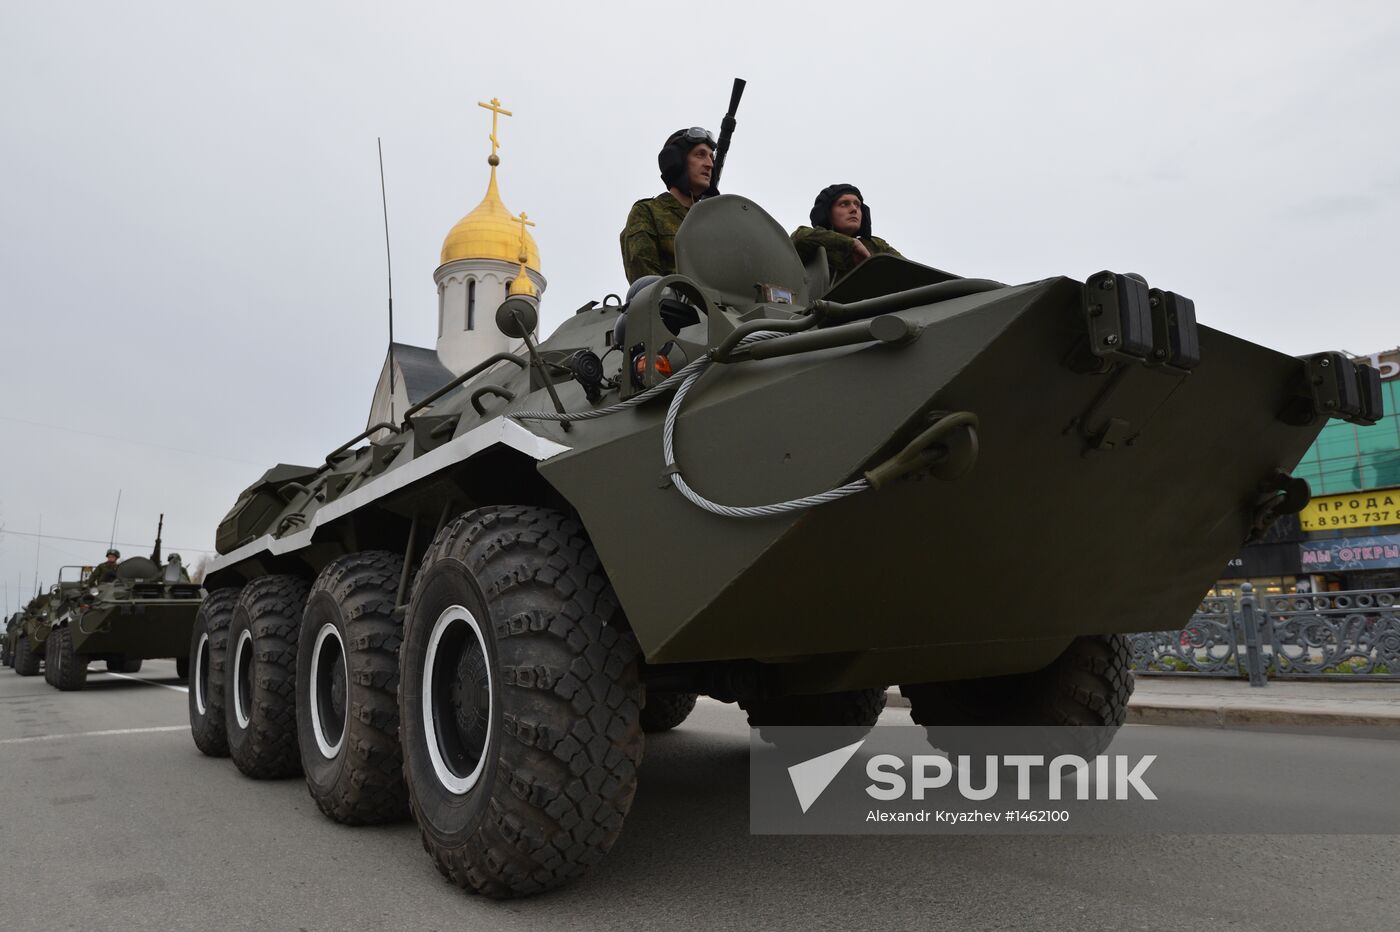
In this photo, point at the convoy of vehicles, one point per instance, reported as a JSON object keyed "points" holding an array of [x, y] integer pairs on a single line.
{"points": [[741, 483]]}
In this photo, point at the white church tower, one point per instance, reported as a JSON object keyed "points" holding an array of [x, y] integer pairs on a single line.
{"points": [[481, 257], [487, 255]]}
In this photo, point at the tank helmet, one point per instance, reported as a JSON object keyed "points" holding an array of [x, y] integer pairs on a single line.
{"points": [[114, 553], [821, 208], [671, 158]]}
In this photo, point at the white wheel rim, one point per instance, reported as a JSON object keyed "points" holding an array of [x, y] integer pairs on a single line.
{"points": [[198, 684], [451, 781], [245, 639], [328, 748]]}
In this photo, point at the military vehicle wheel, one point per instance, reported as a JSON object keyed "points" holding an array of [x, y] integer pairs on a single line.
{"points": [[665, 709], [124, 665], [347, 690], [182, 668], [855, 708], [260, 715], [69, 669], [26, 660], [208, 650], [520, 703], [1089, 684], [49, 664], [5, 652]]}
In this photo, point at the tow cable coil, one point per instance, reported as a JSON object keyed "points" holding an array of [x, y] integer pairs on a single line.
{"points": [[682, 382]]}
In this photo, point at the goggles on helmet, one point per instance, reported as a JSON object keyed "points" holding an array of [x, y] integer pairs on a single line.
{"points": [[696, 135]]}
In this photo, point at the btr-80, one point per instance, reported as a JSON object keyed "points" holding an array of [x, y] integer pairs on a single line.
{"points": [[475, 613]]}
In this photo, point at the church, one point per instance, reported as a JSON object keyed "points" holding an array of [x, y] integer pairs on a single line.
{"points": [[487, 255]]}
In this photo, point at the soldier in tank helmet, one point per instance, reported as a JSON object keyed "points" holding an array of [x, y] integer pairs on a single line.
{"points": [[105, 571], [841, 225], [687, 161]]}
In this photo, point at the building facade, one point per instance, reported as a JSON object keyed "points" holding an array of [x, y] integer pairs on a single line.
{"points": [[1348, 537]]}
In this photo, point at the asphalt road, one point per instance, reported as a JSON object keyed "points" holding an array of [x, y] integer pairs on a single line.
{"points": [[113, 820]]}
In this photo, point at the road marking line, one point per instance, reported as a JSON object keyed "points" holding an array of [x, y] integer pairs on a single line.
{"points": [[127, 676], [94, 734]]}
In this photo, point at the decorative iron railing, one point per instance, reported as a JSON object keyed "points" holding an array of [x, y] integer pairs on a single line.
{"points": [[1330, 635], [1209, 644]]}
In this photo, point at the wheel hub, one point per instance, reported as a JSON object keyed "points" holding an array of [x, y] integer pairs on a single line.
{"points": [[328, 697], [457, 699], [201, 665], [243, 678]]}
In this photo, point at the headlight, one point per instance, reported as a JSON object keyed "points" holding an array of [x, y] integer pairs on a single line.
{"points": [[93, 592]]}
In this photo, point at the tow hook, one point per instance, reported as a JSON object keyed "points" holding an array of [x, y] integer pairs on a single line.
{"points": [[947, 455]]}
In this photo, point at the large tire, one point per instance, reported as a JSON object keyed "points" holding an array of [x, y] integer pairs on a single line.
{"points": [[124, 665], [665, 709], [26, 659], [522, 739], [1087, 685], [208, 651], [854, 708], [260, 669], [5, 659], [50, 661], [347, 690], [69, 669]]}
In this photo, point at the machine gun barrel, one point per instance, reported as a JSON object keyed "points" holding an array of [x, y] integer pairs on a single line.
{"points": [[155, 554], [726, 132]]}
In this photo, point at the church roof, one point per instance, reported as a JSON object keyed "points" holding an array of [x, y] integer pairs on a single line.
{"points": [[423, 373]]}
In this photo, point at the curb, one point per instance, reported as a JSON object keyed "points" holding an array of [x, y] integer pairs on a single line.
{"points": [[1157, 713], [1208, 716]]}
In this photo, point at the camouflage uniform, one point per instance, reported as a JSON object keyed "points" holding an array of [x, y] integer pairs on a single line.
{"points": [[102, 572], [649, 239], [840, 255], [840, 248]]}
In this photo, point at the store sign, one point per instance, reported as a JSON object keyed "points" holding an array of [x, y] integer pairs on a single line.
{"points": [[1387, 363], [1351, 553], [1263, 560], [1372, 508]]}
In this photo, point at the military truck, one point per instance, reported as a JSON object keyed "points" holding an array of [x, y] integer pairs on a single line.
{"points": [[741, 483], [32, 635], [143, 609]]}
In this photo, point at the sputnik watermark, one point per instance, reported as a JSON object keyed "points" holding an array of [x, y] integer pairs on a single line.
{"points": [[907, 779], [933, 772], [1116, 777]]}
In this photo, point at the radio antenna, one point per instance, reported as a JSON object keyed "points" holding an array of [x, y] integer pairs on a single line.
{"points": [[38, 543], [118, 510], [389, 265]]}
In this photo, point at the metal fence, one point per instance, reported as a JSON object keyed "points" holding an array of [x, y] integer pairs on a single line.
{"points": [[1350, 636]]}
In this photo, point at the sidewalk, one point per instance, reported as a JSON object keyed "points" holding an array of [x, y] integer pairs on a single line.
{"points": [[1184, 700]]}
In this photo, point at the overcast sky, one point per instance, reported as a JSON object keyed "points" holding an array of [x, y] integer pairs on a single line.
{"points": [[192, 281]]}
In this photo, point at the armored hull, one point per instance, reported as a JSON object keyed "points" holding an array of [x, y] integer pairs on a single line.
{"points": [[137, 629], [1094, 539], [963, 487]]}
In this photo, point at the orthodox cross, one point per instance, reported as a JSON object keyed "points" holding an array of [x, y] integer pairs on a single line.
{"points": [[524, 221], [495, 107]]}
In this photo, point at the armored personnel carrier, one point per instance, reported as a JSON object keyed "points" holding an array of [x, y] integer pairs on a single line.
{"points": [[143, 609], [744, 484], [31, 635]]}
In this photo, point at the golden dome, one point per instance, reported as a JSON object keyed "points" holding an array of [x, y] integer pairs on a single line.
{"points": [[490, 232], [521, 284]]}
